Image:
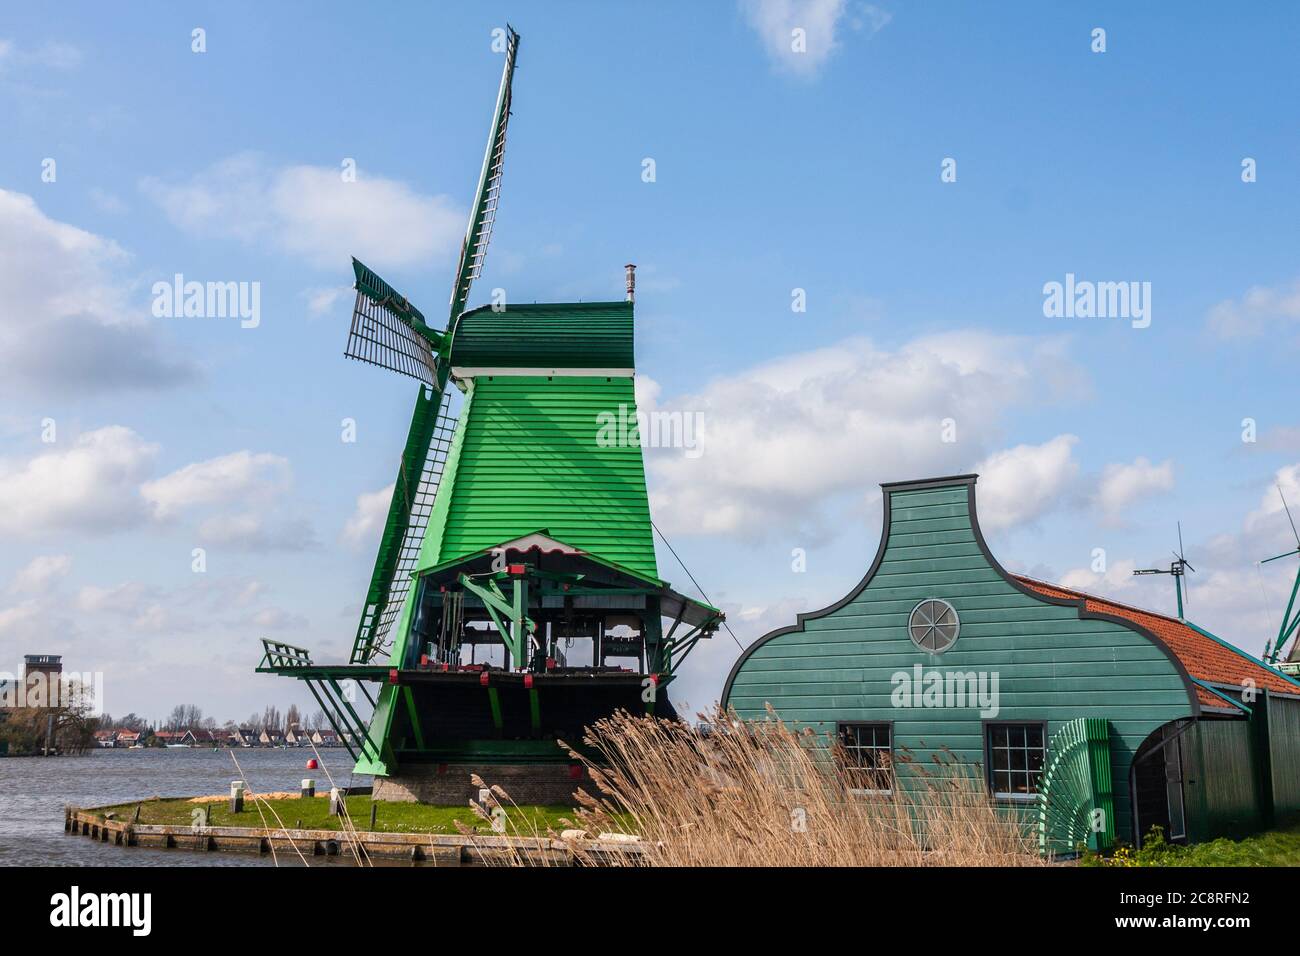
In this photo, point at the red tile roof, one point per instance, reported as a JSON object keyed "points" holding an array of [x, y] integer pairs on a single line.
{"points": [[1205, 658]]}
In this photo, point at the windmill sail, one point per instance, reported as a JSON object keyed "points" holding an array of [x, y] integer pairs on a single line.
{"points": [[474, 249], [390, 332], [427, 446]]}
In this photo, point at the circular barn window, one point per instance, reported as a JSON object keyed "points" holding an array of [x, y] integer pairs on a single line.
{"points": [[933, 625]]}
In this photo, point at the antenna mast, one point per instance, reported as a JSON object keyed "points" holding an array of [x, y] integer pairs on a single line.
{"points": [[1179, 567]]}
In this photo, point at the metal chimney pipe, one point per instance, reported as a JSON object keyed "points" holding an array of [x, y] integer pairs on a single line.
{"points": [[631, 281]]}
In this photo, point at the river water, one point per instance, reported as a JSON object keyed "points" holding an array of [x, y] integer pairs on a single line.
{"points": [[34, 791]]}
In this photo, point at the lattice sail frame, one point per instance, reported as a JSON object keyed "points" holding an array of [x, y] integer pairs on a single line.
{"points": [[390, 332], [391, 584], [473, 249]]}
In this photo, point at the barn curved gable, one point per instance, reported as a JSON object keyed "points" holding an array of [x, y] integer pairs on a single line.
{"points": [[968, 481]]}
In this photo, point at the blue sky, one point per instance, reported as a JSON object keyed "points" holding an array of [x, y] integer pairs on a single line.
{"points": [[774, 171]]}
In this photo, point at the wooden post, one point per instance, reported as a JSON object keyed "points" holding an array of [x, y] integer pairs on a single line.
{"points": [[308, 788], [336, 801], [374, 807], [236, 796]]}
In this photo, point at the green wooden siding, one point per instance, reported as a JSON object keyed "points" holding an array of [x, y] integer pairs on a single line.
{"points": [[563, 335], [1219, 780], [1284, 757], [1052, 666], [526, 458]]}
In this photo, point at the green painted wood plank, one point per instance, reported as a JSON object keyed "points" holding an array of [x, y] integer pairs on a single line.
{"points": [[1052, 665]]}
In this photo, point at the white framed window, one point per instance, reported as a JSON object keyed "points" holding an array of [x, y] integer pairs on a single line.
{"points": [[866, 756], [1016, 756]]}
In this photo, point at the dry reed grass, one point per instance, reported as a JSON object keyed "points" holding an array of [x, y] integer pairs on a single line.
{"points": [[761, 793]]}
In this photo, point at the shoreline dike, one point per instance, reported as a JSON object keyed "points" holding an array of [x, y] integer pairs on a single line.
{"points": [[432, 848]]}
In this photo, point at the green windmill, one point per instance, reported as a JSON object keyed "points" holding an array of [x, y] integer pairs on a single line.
{"points": [[515, 596], [1291, 617]]}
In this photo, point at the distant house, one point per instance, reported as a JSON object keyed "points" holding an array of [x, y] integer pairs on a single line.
{"points": [[297, 737], [270, 738], [210, 738], [324, 738], [131, 738], [243, 737], [106, 739]]}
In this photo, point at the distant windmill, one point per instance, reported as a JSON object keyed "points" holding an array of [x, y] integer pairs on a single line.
{"points": [[1289, 622], [1177, 569]]}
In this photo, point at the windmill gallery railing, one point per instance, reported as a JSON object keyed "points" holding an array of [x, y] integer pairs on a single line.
{"points": [[335, 699]]}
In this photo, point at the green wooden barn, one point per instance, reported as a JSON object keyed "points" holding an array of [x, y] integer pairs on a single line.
{"points": [[1104, 720]]}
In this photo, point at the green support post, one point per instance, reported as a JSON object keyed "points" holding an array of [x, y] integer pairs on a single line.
{"points": [[415, 717], [656, 657], [510, 617]]}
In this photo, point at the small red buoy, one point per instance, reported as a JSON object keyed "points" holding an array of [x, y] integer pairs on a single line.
{"points": [[312, 764]]}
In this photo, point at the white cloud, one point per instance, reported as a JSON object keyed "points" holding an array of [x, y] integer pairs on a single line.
{"points": [[237, 478], [127, 598], [21, 620], [90, 486], [1117, 578], [277, 619], [236, 501], [312, 213], [1230, 592], [67, 321], [258, 533], [140, 606], [1271, 513], [41, 571], [1021, 484], [107, 202], [1261, 310], [1122, 484], [801, 35], [369, 515], [779, 441], [321, 301], [52, 55]]}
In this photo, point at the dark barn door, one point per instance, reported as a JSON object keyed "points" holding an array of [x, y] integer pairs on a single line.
{"points": [[1158, 786]]}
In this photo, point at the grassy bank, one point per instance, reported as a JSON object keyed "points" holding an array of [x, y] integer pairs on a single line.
{"points": [[313, 814], [1274, 848]]}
